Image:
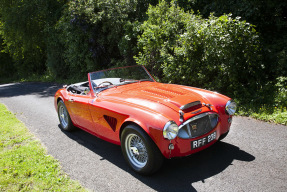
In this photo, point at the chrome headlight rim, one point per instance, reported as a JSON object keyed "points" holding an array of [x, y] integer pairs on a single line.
{"points": [[170, 130], [230, 107]]}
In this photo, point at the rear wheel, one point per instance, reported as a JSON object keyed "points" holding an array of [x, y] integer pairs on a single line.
{"points": [[139, 150], [64, 117]]}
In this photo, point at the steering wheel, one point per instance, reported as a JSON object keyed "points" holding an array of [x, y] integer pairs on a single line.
{"points": [[105, 82]]}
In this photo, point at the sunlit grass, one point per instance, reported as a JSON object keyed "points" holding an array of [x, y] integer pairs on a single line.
{"points": [[276, 115], [24, 163]]}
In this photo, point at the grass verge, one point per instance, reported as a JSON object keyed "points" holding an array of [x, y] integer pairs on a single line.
{"points": [[24, 162], [278, 116]]}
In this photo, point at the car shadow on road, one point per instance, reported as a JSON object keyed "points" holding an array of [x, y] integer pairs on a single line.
{"points": [[176, 174]]}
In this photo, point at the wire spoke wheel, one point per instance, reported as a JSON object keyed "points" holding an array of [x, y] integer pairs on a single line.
{"points": [[63, 116], [136, 150], [141, 153]]}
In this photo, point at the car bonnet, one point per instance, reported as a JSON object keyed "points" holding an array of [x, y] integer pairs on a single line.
{"points": [[155, 95]]}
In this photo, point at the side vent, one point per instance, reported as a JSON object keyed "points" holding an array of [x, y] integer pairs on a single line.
{"points": [[111, 121]]}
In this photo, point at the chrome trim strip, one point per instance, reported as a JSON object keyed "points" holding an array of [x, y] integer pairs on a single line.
{"points": [[189, 132], [195, 118], [186, 106], [181, 114]]}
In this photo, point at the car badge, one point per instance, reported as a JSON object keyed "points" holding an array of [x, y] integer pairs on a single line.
{"points": [[194, 128], [196, 111]]}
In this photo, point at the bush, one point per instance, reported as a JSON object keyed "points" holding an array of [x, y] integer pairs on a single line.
{"points": [[270, 18], [24, 32], [218, 53], [6, 63], [90, 36], [281, 96]]}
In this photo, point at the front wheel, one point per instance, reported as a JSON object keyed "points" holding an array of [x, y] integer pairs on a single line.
{"points": [[140, 151], [64, 117]]}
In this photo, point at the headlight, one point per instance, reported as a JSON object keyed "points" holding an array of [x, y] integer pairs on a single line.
{"points": [[170, 130], [230, 107]]}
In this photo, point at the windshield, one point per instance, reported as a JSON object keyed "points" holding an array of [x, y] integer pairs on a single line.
{"points": [[105, 79]]}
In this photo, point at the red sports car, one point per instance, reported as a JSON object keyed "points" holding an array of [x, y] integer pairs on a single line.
{"points": [[150, 120]]}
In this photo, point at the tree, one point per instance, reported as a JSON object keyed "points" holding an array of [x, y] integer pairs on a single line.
{"points": [[24, 32], [218, 53]]}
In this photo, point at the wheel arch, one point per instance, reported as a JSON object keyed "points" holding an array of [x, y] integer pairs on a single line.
{"points": [[130, 122], [145, 128], [59, 99]]}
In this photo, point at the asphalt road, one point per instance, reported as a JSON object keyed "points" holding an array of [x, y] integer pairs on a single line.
{"points": [[253, 157]]}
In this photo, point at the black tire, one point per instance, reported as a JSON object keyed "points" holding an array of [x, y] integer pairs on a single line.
{"points": [[64, 117], [223, 136], [141, 153]]}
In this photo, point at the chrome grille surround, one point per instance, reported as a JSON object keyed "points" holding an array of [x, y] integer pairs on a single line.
{"points": [[198, 125]]}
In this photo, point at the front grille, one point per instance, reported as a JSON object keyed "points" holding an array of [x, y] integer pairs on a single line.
{"points": [[198, 125]]}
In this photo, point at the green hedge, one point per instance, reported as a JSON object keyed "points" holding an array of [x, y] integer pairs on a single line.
{"points": [[218, 53], [88, 36], [67, 38]]}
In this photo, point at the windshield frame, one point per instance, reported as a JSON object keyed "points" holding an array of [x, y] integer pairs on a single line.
{"points": [[122, 81]]}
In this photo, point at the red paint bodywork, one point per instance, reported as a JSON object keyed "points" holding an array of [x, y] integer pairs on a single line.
{"points": [[150, 105]]}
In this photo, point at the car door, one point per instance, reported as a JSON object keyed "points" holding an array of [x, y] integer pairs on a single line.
{"points": [[106, 120], [79, 110]]}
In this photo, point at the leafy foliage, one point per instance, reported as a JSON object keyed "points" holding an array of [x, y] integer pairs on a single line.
{"points": [[270, 19], [23, 32], [218, 53], [6, 63], [235, 47], [281, 96], [89, 35]]}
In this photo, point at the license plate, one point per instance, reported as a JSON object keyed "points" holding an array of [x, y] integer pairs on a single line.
{"points": [[203, 141]]}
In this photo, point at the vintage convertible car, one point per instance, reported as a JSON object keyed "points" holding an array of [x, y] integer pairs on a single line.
{"points": [[150, 120]]}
